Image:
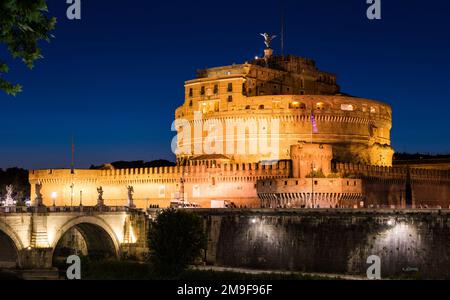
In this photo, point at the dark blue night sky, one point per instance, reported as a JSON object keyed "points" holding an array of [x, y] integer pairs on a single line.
{"points": [[114, 79]]}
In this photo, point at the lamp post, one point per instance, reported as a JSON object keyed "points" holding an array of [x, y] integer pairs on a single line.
{"points": [[313, 170], [71, 194], [54, 196]]}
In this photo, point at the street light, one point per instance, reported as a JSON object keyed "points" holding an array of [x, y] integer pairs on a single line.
{"points": [[54, 196]]}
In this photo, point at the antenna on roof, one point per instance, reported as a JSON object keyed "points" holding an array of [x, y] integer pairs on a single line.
{"points": [[72, 165]]}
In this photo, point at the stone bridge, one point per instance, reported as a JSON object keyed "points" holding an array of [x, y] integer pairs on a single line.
{"points": [[36, 237]]}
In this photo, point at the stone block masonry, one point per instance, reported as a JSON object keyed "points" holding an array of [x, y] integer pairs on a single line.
{"points": [[410, 243]]}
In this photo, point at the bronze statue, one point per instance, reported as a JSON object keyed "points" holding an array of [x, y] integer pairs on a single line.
{"points": [[268, 39]]}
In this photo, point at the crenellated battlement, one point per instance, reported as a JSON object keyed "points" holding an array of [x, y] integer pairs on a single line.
{"points": [[391, 172], [201, 170]]}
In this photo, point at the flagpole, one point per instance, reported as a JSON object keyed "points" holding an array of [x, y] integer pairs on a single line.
{"points": [[72, 172]]}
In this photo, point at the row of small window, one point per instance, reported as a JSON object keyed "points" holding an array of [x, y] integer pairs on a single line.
{"points": [[230, 99], [299, 105], [327, 79], [321, 106], [286, 183], [215, 91]]}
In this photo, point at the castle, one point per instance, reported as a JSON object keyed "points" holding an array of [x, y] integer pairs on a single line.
{"points": [[271, 132]]}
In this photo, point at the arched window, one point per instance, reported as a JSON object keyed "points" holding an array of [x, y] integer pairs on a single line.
{"points": [[297, 105], [294, 105], [320, 106], [347, 107], [261, 107], [247, 107]]}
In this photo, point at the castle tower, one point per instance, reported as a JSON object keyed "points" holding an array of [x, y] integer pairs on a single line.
{"points": [[307, 158], [234, 111]]}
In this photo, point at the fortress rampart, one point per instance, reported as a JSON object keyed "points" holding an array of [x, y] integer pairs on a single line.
{"points": [[158, 186], [389, 186], [242, 185], [410, 243], [358, 129], [232, 114]]}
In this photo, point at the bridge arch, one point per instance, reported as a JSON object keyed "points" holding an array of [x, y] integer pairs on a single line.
{"points": [[98, 236], [10, 247]]}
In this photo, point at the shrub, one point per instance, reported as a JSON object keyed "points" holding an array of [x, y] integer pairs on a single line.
{"points": [[176, 240]]}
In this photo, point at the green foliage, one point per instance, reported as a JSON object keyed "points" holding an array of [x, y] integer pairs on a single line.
{"points": [[176, 239], [22, 25], [316, 174], [334, 175]]}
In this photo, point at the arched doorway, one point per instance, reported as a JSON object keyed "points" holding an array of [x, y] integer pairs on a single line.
{"points": [[84, 239], [9, 256]]}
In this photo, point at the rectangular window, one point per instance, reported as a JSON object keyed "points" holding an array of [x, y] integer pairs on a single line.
{"points": [[202, 91], [230, 98], [216, 89], [191, 92], [230, 87]]}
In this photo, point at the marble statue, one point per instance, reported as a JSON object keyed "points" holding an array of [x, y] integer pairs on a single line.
{"points": [[100, 200], [9, 200], [130, 196]]}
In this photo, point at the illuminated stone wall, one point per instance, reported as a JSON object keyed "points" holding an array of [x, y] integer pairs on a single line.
{"points": [[335, 242], [387, 186], [158, 186], [358, 129]]}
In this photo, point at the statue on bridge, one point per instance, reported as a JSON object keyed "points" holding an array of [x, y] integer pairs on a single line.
{"points": [[130, 197], [9, 200], [100, 201], [38, 200]]}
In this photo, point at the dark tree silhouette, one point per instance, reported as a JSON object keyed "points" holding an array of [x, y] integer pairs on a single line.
{"points": [[22, 25], [176, 239]]}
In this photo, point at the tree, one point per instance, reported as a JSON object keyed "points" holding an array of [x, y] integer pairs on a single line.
{"points": [[22, 25], [176, 239]]}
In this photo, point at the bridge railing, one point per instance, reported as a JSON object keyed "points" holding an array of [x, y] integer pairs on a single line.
{"points": [[44, 209]]}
